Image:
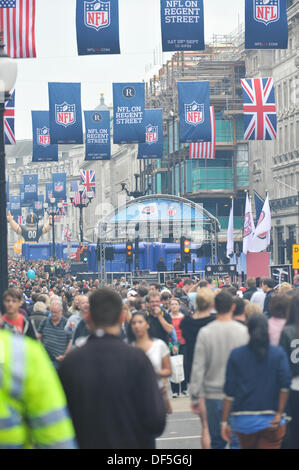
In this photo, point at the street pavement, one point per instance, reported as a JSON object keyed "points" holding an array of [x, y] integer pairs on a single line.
{"points": [[183, 429]]}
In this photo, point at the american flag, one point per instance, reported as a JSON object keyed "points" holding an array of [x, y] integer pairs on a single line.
{"points": [[9, 121], [62, 210], [17, 21], [205, 149], [260, 121], [88, 180], [77, 197]]}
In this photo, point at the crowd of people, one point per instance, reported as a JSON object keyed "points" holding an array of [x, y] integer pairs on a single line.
{"points": [[112, 359]]}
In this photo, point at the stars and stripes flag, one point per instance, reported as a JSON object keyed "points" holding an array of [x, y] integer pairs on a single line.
{"points": [[17, 21], [77, 197], [62, 210], [88, 180], [9, 120], [205, 149], [260, 120]]}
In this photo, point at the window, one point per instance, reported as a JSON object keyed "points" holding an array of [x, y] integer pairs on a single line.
{"points": [[291, 137]]}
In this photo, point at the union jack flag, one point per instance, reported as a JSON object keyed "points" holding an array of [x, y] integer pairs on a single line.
{"points": [[9, 121], [205, 149], [260, 120], [88, 180]]}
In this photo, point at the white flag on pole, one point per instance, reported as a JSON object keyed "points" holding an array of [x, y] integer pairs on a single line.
{"points": [[261, 238], [230, 233], [248, 227]]}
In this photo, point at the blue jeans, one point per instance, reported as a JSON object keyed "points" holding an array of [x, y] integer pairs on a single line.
{"points": [[214, 416]]}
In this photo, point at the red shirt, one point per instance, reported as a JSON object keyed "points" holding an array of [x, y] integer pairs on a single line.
{"points": [[17, 322], [176, 323]]}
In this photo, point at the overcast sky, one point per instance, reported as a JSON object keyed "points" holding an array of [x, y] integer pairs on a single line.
{"points": [[139, 37]]}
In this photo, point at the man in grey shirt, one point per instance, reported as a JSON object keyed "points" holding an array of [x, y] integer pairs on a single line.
{"points": [[212, 350]]}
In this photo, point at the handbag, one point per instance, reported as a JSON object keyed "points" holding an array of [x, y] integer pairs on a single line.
{"points": [[177, 366]]}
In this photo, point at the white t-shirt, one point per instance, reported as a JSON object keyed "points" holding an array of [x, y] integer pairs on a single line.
{"points": [[156, 353]]}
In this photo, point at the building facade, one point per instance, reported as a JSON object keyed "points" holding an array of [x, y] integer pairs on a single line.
{"points": [[274, 166]]}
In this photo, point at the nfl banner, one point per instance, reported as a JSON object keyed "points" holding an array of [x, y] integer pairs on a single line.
{"points": [[153, 147], [38, 206], [266, 24], [182, 25], [43, 151], [97, 27], [194, 110], [59, 186], [97, 135], [30, 187], [205, 149], [15, 206], [128, 113], [260, 120], [65, 113], [49, 192]]}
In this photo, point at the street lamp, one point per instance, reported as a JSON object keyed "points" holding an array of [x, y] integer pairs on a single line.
{"points": [[81, 204], [135, 194], [52, 212], [8, 76]]}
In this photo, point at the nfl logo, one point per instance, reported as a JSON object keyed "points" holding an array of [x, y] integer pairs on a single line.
{"points": [[65, 114], [59, 187], [172, 212], [148, 210], [151, 134], [43, 136], [194, 113], [97, 14], [266, 11]]}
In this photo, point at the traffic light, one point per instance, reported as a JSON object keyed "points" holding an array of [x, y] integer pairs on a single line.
{"points": [[185, 250], [129, 253], [84, 254], [109, 253]]}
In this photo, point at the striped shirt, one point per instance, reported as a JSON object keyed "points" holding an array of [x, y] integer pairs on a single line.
{"points": [[54, 337]]}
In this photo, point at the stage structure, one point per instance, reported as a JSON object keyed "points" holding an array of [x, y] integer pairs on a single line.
{"points": [[157, 218]]}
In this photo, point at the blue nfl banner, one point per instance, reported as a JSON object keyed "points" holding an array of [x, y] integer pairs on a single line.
{"points": [[30, 188], [15, 206], [43, 151], [153, 147], [266, 24], [38, 206], [194, 111], [59, 186], [182, 25], [128, 113], [97, 135], [97, 27], [49, 192], [65, 113], [23, 202]]}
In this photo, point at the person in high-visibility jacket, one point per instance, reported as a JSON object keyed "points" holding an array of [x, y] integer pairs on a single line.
{"points": [[33, 411]]}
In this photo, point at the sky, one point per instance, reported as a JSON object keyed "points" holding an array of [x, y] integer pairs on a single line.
{"points": [[140, 36]]}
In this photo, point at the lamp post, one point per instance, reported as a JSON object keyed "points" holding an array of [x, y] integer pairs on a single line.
{"points": [[8, 76], [52, 212], [135, 194], [81, 204]]}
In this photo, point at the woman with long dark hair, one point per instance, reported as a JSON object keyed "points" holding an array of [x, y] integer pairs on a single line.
{"points": [[140, 335], [289, 340], [257, 386]]}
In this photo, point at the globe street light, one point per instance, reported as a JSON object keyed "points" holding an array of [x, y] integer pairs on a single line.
{"points": [[8, 76], [81, 204], [52, 212]]}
